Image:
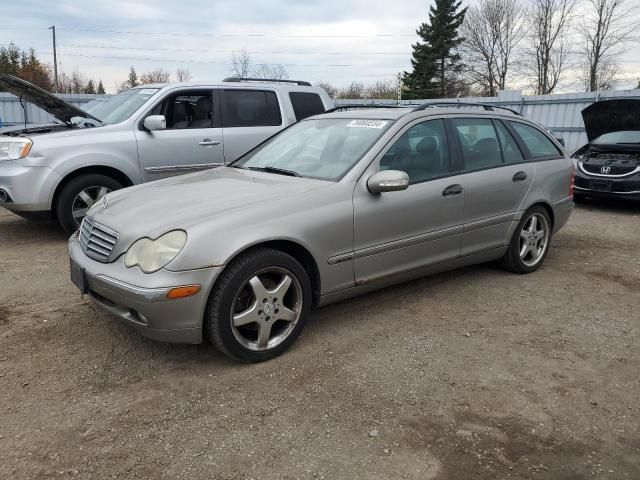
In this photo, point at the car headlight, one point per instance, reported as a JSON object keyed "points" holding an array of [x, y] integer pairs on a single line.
{"points": [[152, 255], [14, 148]]}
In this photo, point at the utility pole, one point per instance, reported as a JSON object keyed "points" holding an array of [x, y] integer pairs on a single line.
{"points": [[55, 59], [399, 88]]}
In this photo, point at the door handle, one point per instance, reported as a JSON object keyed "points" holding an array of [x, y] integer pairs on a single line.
{"points": [[208, 142], [452, 190], [519, 176]]}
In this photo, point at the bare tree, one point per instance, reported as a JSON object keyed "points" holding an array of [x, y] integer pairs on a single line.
{"points": [[547, 52], [240, 64], [183, 75], [327, 87], [159, 75], [275, 72], [75, 82], [355, 90], [383, 89], [492, 30], [605, 31]]}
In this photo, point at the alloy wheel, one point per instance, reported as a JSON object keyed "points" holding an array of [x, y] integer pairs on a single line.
{"points": [[534, 239], [266, 309]]}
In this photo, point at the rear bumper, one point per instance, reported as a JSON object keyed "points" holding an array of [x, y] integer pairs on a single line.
{"points": [[561, 213], [140, 299], [28, 188]]}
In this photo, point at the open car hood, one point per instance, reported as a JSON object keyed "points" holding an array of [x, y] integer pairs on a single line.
{"points": [[611, 116], [51, 104]]}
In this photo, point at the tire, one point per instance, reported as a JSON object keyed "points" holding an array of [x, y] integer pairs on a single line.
{"points": [[246, 327], [534, 245], [94, 185], [578, 198]]}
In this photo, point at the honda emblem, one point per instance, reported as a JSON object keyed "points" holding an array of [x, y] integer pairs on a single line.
{"points": [[605, 170]]}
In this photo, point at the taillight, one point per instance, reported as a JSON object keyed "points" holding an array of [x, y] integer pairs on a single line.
{"points": [[572, 183]]}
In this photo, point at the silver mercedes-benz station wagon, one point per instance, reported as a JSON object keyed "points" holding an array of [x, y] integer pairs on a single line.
{"points": [[331, 207]]}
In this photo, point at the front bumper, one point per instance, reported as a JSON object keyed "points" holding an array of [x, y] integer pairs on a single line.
{"points": [[29, 188], [139, 299], [622, 187]]}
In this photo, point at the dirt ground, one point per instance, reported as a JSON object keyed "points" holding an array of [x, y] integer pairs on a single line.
{"points": [[476, 373]]}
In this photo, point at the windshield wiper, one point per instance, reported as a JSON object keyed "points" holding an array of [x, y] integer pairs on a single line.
{"points": [[279, 171]]}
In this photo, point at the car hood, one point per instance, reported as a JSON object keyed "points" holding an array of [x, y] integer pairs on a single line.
{"points": [[611, 116], [154, 208], [51, 104]]}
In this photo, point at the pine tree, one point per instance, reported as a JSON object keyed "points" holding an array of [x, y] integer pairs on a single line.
{"points": [[132, 80], [100, 88], [90, 88], [436, 62]]}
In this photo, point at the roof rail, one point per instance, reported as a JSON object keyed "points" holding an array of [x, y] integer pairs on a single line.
{"points": [[486, 106], [354, 106], [271, 80]]}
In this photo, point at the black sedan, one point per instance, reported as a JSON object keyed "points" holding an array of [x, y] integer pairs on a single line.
{"points": [[609, 165]]}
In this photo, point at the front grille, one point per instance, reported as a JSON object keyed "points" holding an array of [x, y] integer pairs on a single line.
{"points": [[615, 169], [97, 241]]}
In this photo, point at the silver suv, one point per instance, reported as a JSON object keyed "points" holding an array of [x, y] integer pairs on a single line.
{"points": [[142, 134], [334, 206]]}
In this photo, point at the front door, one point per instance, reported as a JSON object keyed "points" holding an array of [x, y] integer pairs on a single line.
{"points": [[496, 180], [400, 231], [192, 140]]}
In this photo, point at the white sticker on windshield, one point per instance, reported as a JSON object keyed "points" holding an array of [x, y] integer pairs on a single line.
{"points": [[367, 123], [147, 91]]}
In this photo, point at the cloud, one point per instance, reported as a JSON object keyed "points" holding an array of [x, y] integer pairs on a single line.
{"points": [[201, 36]]}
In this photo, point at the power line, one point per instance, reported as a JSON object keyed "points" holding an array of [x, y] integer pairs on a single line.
{"points": [[278, 52], [202, 34], [213, 62]]}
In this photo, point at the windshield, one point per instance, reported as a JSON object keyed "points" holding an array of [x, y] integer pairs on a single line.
{"points": [[318, 148], [119, 107], [625, 136]]}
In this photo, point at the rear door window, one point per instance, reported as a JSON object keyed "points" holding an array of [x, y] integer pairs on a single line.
{"points": [[510, 150], [250, 108], [479, 143], [538, 144], [306, 104]]}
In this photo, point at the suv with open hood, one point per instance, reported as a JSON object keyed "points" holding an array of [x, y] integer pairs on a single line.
{"points": [[59, 170], [609, 165]]}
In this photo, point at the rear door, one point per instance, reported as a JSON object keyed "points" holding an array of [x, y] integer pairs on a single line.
{"points": [[192, 140], [395, 232], [496, 180], [249, 117]]}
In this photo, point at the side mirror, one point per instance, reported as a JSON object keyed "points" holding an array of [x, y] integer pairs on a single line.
{"points": [[388, 181], [155, 122]]}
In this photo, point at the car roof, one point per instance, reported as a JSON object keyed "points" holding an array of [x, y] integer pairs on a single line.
{"points": [[243, 84], [398, 112]]}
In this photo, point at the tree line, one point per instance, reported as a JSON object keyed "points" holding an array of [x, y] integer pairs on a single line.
{"points": [[480, 49], [24, 64]]}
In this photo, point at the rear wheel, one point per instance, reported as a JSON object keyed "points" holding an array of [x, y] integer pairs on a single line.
{"points": [[258, 306], [530, 242], [78, 195]]}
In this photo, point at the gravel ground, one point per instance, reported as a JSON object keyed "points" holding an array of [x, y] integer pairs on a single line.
{"points": [[476, 373]]}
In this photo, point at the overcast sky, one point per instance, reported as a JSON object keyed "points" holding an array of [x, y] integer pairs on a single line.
{"points": [[333, 41]]}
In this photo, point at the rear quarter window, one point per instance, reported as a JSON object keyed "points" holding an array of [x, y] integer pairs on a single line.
{"points": [[306, 104], [538, 144], [250, 108]]}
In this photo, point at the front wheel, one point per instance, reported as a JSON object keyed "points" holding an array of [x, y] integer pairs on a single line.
{"points": [[258, 306], [530, 242], [78, 195]]}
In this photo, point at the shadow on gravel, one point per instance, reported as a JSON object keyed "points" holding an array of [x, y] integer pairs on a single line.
{"points": [[17, 229], [629, 207]]}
